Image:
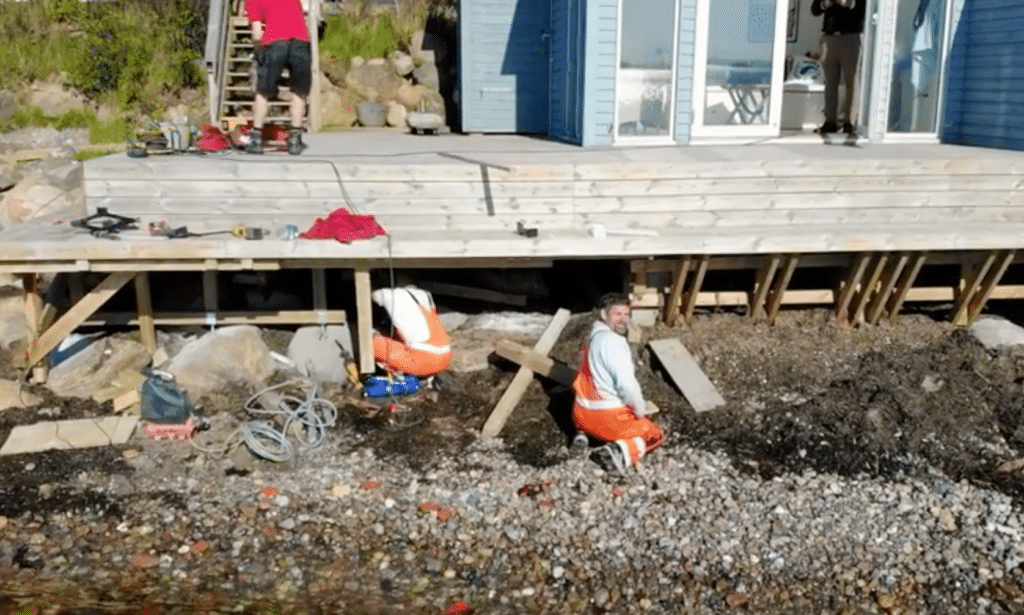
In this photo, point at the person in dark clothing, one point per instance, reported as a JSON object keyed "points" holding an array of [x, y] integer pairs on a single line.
{"points": [[841, 30]]}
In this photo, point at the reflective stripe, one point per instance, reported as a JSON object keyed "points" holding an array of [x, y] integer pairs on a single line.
{"points": [[641, 448], [599, 404], [432, 349]]}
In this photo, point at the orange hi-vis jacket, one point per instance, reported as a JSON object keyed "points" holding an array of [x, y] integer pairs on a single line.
{"points": [[605, 380], [424, 349]]}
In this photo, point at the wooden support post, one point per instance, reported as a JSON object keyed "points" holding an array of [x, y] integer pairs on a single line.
{"points": [[33, 318], [971, 282], [524, 376], [850, 285], [868, 288], [320, 295], [77, 314], [976, 303], [144, 306], [886, 283], [780, 286], [690, 301], [210, 300], [364, 320], [761, 287], [671, 307], [905, 284]]}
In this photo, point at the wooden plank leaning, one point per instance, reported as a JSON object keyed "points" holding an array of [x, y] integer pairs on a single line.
{"points": [[524, 376], [537, 362], [82, 310], [693, 383]]}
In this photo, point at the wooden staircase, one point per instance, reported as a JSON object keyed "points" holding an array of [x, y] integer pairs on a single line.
{"points": [[238, 80]]}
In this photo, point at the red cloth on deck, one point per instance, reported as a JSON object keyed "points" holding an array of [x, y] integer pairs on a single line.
{"points": [[343, 225]]}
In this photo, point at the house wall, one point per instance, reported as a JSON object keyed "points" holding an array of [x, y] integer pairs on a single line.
{"points": [[567, 43], [504, 65], [985, 91]]}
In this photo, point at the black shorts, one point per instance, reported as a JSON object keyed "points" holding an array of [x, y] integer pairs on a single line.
{"points": [[273, 58]]}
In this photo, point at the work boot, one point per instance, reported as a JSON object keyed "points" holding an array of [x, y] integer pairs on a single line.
{"points": [[295, 144], [255, 141], [610, 458], [580, 445], [828, 128]]}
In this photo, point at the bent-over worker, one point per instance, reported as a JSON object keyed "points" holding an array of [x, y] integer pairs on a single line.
{"points": [[609, 403], [422, 349]]}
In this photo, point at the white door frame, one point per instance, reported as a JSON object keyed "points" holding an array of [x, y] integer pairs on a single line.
{"points": [[737, 132], [672, 89]]}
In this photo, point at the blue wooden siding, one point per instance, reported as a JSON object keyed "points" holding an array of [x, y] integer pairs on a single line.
{"points": [[602, 22], [985, 83], [505, 65], [567, 40], [684, 70]]}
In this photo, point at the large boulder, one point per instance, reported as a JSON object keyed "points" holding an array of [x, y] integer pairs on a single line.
{"points": [[222, 358], [61, 168], [396, 114], [94, 367], [33, 197], [13, 325], [427, 75], [335, 71], [374, 81], [401, 62], [8, 105], [410, 95], [337, 106], [55, 99], [9, 175], [39, 137]]}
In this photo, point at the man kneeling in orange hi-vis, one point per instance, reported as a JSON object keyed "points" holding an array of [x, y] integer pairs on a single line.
{"points": [[422, 349], [609, 403]]}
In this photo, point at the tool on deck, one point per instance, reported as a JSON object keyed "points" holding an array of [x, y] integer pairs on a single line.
{"points": [[525, 231], [161, 228], [105, 224]]}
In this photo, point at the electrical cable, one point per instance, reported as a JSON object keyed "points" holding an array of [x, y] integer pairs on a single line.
{"points": [[304, 418]]}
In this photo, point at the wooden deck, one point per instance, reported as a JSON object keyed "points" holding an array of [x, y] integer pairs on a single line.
{"points": [[881, 214]]}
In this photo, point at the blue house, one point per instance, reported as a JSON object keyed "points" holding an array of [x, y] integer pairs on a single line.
{"points": [[643, 72]]}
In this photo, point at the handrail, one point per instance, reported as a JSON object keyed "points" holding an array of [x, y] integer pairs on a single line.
{"points": [[215, 53]]}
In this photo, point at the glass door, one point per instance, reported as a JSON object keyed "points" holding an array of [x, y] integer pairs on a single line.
{"points": [[917, 59], [739, 64], [645, 77]]}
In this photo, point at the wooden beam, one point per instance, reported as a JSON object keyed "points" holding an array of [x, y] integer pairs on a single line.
{"points": [[183, 319], [679, 274], [690, 301], [320, 293], [210, 300], [536, 362], [524, 376], [693, 383], [780, 286], [995, 273], [468, 292], [868, 288], [849, 287], [77, 315], [30, 284], [886, 283], [971, 282], [905, 284], [761, 287], [144, 306], [364, 322]]}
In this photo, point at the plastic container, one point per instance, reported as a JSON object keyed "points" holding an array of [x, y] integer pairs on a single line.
{"points": [[372, 114]]}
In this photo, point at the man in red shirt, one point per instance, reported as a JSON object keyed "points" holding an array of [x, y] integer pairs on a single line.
{"points": [[281, 39]]}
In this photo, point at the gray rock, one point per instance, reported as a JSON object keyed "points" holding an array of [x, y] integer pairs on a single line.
{"points": [[227, 356], [996, 331], [95, 366]]}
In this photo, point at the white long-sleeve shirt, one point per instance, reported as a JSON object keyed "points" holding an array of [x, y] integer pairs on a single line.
{"points": [[611, 365], [403, 306]]}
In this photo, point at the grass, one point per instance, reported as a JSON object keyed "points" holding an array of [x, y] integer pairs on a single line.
{"points": [[364, 30]]}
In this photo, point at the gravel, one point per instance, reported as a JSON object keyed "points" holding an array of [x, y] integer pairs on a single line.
{"points": [[687, 532]]}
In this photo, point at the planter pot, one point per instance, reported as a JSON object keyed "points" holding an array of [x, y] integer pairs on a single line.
{"points": [[371, 113]]}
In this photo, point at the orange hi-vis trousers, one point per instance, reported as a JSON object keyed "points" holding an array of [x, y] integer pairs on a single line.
{"points": [[397, 357], [635, 435]]}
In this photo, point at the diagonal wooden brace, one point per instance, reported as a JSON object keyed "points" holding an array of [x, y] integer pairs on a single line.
{"points": [[49, 339]]}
